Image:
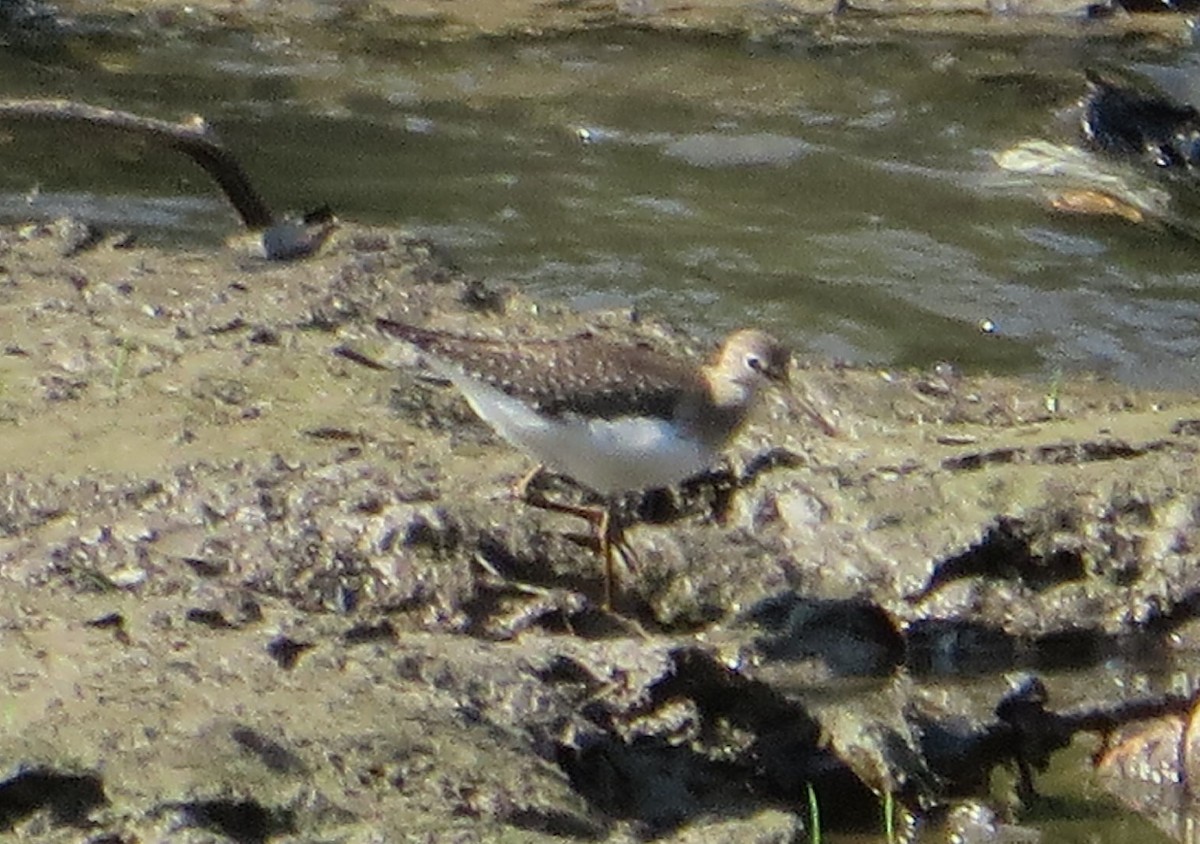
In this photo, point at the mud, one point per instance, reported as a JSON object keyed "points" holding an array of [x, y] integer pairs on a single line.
{"points": [[256, 589]]}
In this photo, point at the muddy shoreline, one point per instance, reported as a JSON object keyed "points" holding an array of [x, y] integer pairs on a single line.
{"points": [[260, 590]]}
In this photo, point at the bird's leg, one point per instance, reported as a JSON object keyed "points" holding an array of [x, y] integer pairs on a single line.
{"points": [[609, 532], [596, 516], [610, 535], [520, 489]]}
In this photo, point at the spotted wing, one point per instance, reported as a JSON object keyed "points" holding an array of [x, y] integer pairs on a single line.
{"points": [[583, 374]]}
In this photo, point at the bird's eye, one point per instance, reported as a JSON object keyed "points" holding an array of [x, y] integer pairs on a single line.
{"points": [[754, 362]]}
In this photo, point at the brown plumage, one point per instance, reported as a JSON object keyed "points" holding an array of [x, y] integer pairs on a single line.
{"points": [[586, 375]]}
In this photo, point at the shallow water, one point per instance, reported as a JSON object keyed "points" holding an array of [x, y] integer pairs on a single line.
{"points": [[841, 194]]}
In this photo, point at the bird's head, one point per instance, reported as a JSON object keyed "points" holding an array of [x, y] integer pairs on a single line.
{"points": [[753, 358], [747, 362]]}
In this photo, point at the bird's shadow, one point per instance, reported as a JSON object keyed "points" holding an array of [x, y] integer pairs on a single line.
{"points": [[709, 494]]}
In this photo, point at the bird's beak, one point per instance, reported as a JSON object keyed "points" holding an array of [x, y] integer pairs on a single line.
{"points": [[780, 371]]}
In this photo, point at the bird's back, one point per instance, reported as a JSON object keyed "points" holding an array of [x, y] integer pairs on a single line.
{"points": [[580, 375]]}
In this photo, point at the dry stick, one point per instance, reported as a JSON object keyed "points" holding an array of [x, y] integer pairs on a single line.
{"points": [[194, 138]]}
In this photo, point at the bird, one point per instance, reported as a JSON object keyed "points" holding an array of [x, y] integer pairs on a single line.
{"points": [[613, 418]]}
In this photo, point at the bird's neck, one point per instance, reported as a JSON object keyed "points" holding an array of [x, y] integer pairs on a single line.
{"points": [[720, 408], [726, 393]]}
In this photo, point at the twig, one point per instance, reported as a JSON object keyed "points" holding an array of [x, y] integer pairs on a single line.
{"points": [[194, 138]]}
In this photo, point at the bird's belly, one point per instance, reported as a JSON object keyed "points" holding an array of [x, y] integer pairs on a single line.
{"points": [[621, 455]]}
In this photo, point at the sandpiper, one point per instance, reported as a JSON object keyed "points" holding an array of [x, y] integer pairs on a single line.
{"points": [[612, 418]]}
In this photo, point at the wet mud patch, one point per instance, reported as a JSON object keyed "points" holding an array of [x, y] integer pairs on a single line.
{"points": [[68, 798], [263, 587]]}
